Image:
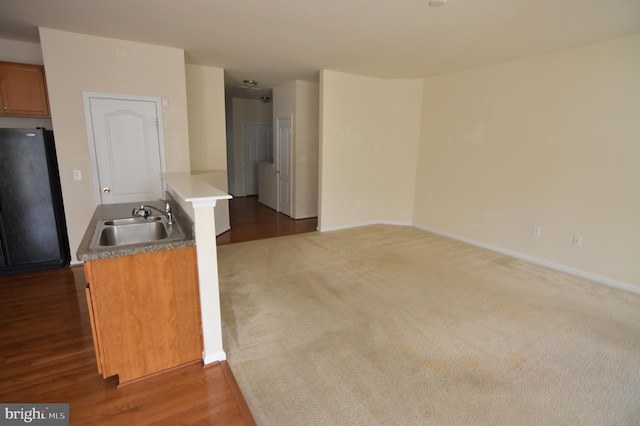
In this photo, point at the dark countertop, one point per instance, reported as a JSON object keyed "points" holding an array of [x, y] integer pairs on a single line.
{"points": [[123, 210]]}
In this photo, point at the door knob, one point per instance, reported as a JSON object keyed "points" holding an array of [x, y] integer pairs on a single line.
{"points": [[278, 171], [106, 190]]}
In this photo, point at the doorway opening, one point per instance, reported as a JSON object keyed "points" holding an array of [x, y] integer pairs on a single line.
{"points": [[287, 182]]}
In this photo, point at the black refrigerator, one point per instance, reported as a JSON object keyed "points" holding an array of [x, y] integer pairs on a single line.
{"points": [[33, 232]]}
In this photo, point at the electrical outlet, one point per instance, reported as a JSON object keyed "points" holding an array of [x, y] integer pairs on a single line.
{"points": [[577, 240], [536, 231]]}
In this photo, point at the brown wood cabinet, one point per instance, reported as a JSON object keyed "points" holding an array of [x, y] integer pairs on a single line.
{"points": [[23, 90], [145, 312]]}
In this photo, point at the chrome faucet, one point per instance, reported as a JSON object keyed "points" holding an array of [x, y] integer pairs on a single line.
{"points": [[143, 211]]}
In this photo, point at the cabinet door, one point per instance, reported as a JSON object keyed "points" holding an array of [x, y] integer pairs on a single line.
{"points": [[96, 345], [23, 90], [95, 323], [147, 312]]}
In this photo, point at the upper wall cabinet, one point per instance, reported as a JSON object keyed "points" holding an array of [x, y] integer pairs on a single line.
{"points": [[23, 90]]}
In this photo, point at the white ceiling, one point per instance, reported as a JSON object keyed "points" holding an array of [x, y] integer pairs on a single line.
{"points": [[275, 41]]}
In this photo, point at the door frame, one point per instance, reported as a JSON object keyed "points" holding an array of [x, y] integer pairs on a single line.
{"points": [[86, 99], [291, 171]]}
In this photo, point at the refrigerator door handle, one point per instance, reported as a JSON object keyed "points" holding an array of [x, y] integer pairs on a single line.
{"points": [[4, 259]]}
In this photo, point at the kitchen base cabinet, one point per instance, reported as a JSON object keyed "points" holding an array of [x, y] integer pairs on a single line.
{"points": [[145, 312]]}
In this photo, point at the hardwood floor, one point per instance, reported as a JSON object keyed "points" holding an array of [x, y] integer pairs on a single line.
{"points": [[47, 356], [251, 220]]}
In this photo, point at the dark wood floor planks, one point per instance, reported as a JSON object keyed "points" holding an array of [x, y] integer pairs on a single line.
{"points": [[47, 356], [251, 220]]}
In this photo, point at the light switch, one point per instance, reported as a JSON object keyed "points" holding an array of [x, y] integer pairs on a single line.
{"points": [[77, 174], [165, 102]]}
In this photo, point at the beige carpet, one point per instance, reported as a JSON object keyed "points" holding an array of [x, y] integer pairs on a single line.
{"points": [[388, 325]]}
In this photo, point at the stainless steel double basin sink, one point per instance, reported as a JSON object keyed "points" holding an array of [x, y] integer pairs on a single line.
{"points": [[134, 230]]}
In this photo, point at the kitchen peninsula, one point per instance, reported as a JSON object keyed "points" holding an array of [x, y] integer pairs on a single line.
{"points": [[199, 199], [154, 304]]}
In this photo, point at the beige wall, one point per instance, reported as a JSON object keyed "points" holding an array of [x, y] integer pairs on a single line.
{"points": [[23, 53], [370, 130], [207, 133], [244, 111], [20, 51], [207, 128], [284, 100], [550, 141], [75, 63], [306, 150], [300, 100]]}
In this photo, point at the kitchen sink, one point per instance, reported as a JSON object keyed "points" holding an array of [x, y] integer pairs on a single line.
{"points": [[133, 233], [133, 230], [132, 220]]}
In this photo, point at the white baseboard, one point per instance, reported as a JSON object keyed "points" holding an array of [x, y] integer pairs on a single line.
{"points": [[357, 225], [307, 215], [558, 267], [214, 357]]}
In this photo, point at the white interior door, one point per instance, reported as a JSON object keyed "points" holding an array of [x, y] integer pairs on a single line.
{"points": [[258, 146], [283, 165], [126, 146]]}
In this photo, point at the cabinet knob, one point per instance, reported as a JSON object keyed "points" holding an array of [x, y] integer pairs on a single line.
{"points": [[5, 107], [106, 190]]}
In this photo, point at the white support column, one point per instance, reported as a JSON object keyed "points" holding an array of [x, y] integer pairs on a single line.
{"points": [[207, 255]]}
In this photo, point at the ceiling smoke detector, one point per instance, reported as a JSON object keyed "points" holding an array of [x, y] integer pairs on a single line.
{"points": [[437, 3]]}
